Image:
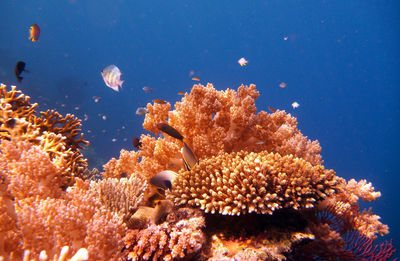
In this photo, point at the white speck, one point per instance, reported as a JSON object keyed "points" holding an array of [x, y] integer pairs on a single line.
{"points": [[114, 140], [295, 105]]}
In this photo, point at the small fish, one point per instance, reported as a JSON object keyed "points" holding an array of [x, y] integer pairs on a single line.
{"points": [[159, 101], [271, 109], [164, 179], [171, 131], [136, 142], [181, 93], [282, 85], [141, 111], [285, 38], [295, 105], [147, 89], [104, 117], [195, 78], [112, 77], [188, 156], [114, 140], [34, 33], [242, 61], [18, 69], [259, 143]]}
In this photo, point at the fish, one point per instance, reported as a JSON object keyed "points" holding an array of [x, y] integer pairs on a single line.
{"points": [[136, 142], [18, 69], [295, 105], [112, 77], [164, 179], [159, 101], [271, 109], [96, 99], [171, 131], [34, 33], [181, 93], [147, 89], [10, 123], [141, 111], [282, 84], [195, 78], [242, 61], [188, 156]]}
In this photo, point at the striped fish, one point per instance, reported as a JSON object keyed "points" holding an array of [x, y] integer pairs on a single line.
{"points": [[112, 77]]}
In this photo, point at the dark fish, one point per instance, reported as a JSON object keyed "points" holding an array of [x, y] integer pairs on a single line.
{"points": [[136, 142], [10, 123], [18, 69], [34, 33], [163, 179], [171, 131], [188, 156]]}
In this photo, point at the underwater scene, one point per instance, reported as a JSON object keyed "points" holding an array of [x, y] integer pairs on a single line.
{"points": [[199, 130]]}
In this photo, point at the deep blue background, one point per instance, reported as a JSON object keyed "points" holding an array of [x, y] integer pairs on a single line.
{"points": [[340, 61]]}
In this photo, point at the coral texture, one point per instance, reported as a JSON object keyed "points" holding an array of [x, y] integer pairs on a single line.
{"points": [[243, 182], [178, 237]]}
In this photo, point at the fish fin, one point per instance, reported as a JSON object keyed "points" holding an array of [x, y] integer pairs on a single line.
{"points": [[120, 83]]}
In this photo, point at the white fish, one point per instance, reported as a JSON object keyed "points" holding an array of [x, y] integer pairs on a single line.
{"points": [[242, 61], [141, 111], [112, 77], [295, 105]]}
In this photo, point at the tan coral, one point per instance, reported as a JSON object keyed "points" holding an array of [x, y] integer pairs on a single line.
{"points": [[121, 196], [179, 237], [243, 182]]}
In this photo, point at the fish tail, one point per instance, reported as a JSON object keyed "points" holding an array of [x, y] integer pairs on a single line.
{"points": [[120, 83]]}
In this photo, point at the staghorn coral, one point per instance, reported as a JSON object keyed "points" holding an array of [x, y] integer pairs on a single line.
{"points": [[243, 182], [56, 134], [178, 237]]}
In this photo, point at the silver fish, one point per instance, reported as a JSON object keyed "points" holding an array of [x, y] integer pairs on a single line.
{"points": [[141, 111], [112, 77]]}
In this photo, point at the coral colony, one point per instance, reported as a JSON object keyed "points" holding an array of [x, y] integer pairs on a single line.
{"points": [[256, 191]]}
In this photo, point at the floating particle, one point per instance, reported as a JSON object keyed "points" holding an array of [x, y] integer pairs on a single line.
{"points": [[96, 99], [77, 107], [114, 140], [66, 96], [123, 127], [89, 131], [125, 139], [104, 117], [147, 89], [295, 105], [63, 105], [104, 131], [282, 85], [191, 73], [285, 38], [242, 61]]}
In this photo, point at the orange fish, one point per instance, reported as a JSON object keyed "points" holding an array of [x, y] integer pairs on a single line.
{"points": [[196, 79], [271, 109], [181, 93], [159, 101], [34, 33]]}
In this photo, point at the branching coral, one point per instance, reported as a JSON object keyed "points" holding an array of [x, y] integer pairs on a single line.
{"points": [[243, 182], [56, 134]]}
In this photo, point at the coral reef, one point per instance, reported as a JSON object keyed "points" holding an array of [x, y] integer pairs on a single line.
{"points": [[57, 135], [259, 190]]}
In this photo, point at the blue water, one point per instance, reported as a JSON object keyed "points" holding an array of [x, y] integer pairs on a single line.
{"points": [[340, 62]]}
